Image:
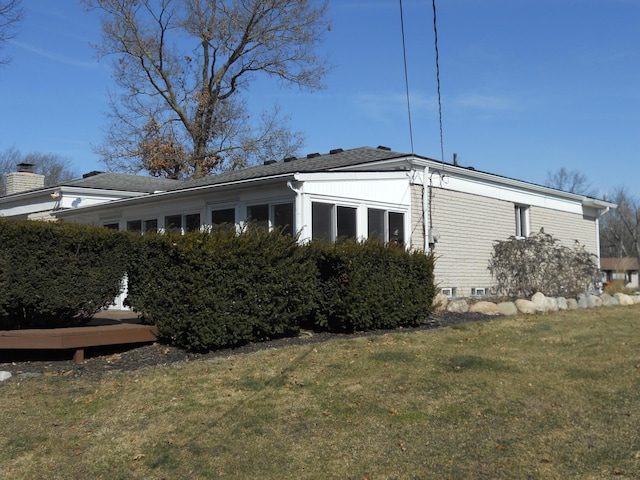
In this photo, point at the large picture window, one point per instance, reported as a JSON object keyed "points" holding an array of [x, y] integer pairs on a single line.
{"points": [[223, 219]]}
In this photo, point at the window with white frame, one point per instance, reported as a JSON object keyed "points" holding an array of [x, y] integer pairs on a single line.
{"points": [[330, 222], [522, 221], [385, 226], [182, 223], [278, 217], [223, 219]]}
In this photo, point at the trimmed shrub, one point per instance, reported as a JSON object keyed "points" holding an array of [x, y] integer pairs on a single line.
{"points": [[207, 291], [56, 274], [540, 263], [371, 285]]}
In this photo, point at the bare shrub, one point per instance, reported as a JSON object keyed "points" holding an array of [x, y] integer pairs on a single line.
{"points": [[540, 263]]}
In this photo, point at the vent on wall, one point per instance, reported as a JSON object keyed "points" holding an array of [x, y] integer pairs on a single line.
{"points": [[448, 291]]}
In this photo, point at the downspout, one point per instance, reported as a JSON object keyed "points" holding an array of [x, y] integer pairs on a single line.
{"points": [[298, 210]]}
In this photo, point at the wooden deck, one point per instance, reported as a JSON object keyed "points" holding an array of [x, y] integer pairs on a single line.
{"points": [[107, 328]]}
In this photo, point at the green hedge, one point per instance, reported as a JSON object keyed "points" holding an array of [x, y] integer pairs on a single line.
{"points": [[371, 285], [56, 274], [207, 291]]}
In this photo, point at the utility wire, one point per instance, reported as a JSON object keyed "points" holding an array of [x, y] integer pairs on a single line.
{"points": [[435, 32], [406, 80]]}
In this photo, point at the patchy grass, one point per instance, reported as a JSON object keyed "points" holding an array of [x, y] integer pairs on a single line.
{"points": [[554, 396]]}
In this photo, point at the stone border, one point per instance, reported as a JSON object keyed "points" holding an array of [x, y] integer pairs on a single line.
{"points": [[538, 303]]}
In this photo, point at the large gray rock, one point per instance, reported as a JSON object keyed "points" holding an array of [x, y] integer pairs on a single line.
{"points": [[487, 308], [507, 308], [4, 376], [597, 300], [635, 298], [458, 306], [562, 303], [440, 302], [572, 304], [606, 299], [540, 301], [552, 304], [526, 306], [586, 301], [623, 298]]}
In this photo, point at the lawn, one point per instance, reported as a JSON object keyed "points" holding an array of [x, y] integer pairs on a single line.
{"points": [[545, 396]]}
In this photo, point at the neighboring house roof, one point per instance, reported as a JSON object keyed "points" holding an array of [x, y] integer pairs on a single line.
{"points": [[121, 182], [627, 264]]}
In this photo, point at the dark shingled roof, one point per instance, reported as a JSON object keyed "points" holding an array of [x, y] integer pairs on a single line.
{"points": [[312, 163], [122, 182]]}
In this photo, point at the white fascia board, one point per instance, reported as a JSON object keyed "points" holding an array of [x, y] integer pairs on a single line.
{"points": [[351, 175], [471, 181], [171, 195]]}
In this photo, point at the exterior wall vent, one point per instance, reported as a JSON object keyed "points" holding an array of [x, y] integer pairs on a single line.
{"points": [[448, 291]]}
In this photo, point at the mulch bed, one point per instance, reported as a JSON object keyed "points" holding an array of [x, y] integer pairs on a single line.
{"points": [[130, 358]]}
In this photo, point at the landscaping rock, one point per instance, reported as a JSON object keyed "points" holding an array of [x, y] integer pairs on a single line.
{"points": [[440, 302], [4, 376], [572, 304], [586, 301], [623, 298], [562, 303], [552, 304], [526, 306], [597, 300], [458, 306], [540, 301], [484, 307], [606, 300], [507, 308]]}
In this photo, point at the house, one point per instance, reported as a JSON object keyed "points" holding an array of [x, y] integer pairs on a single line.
{"points": [[457, 212], [626, 270]]}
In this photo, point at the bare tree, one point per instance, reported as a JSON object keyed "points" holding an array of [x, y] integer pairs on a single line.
{"points": [[571, 181], [182, 67], [620, 228], [55, 168], [11, 12]]}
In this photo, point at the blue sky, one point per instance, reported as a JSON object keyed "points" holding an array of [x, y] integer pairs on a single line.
{"points": [[528, 86]]}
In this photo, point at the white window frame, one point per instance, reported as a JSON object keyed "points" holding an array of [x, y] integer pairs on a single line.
{"points": [[523, 228]]}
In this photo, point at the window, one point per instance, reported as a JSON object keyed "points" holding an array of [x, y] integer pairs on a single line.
{"points": [[224, 219], [258, 216], [151, 226], [448, 291], [329, 221], [522, 221], [192, 222], [173, 224], [134, 226], [283, 218], [112, 226], [385, 226], [478, 291], [321, 221], [346, 222]]}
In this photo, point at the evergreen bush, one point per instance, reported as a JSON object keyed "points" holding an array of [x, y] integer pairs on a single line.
{"points": [[54, 274], [371, 285], [211, 290]]}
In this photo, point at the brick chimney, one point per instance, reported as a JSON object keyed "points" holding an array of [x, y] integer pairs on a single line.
{"points": [[24, 179]]}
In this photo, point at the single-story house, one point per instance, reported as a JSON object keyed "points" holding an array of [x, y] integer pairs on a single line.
{"points": [[626, 270], [455, 211]]}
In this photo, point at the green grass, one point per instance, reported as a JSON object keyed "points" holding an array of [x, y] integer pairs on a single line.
{"points": [[548, 396]]}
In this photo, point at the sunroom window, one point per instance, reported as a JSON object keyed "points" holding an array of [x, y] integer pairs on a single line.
{"points": [[385, 226], [329, 221]]}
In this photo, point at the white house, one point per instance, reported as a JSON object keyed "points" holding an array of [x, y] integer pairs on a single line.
{"points": [[457, 212]]}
